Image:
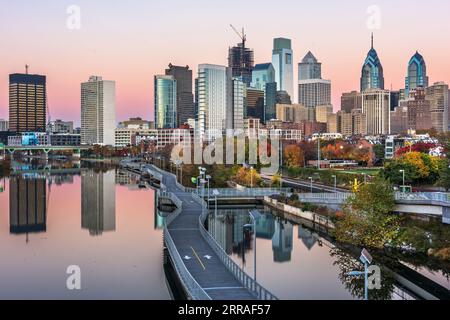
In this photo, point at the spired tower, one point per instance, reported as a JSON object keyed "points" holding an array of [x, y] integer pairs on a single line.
{"points": [[372, 76], [417, 74]]}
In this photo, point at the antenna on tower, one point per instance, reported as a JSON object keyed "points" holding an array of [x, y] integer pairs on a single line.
{"points": [[372, 40], [26, 68]]}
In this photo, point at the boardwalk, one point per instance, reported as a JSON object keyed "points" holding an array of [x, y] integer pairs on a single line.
{"points": [[199, 258]]}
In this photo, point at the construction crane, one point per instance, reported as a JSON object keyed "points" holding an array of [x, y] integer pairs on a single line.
{"points": [[243, 37]]}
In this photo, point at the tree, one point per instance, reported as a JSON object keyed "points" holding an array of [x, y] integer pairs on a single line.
{"points": [[247, 177], [294, 156], [368, 219]]}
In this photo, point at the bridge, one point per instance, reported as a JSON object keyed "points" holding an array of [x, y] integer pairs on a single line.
{"points": [[203, 267], [45, 149]]}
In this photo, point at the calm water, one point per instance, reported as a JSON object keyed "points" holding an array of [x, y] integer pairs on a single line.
{"points": [[90, 220], [296, 263]]}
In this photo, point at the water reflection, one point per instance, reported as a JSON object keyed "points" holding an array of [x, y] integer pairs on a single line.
{"points": [[98, 202], [81, 217]]}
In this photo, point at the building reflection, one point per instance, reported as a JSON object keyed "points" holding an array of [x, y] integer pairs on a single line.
{"points": [[307, 237], [27, 205], [282, 241], [265, 226], [98, 202]]}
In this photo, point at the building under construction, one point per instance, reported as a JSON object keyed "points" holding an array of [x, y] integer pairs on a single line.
{"points": [[241, 59]]}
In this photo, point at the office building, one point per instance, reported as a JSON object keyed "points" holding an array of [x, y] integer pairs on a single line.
{"points": [[137, 123], [376, 106], [185, 97], [372, 76], [417, 74], [165, 102], [309, 68], [395, 99], [438, 95], [332, 123], [322, 113], [419, 115], [241, 61], [350, 101], [263, 78], [65, 139], [282, 97], [255, 104], [399, 119], [60, 126], [282, 61], [27, 103], [4, 125], [239, 93], [98, 111], [215, 98], [295, 113]]}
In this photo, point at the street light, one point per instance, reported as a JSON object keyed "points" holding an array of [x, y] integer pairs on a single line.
{"points": [[366, 259], [335, 183], [403, 188], [215, 194], [251, 177], [208, 179], [255, 215]]}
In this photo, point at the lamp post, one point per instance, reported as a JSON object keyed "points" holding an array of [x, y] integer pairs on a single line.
{"points": [[281, 166], [403, 187], [215, 193], [208, 179], [335, 183], [366, 259], [254, 215], [251, 177], [318, 152]]}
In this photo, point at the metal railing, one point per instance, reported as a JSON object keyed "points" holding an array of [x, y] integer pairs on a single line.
{"points": [[248, 192], [193, 289], [253, 286]]}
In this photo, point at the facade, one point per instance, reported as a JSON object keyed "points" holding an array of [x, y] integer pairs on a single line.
{"points": [[438, 95], [416, 74], [372, 76], [395, 99], [346, 124], [419, 115], [185, 97], [376, 107], [165, 102], [4, 125], [309, 68], [399, 119], [295, 113], [282, 61], [60, 126], [241, 60], [137, 123], [332, 123], [27, 103], [125, 137], [350, 101], [255, 104], [98, 111], [282, 97], [65, 139], [238, 105], [263, 78], [314, 92], [214, 98], [322, 113]]}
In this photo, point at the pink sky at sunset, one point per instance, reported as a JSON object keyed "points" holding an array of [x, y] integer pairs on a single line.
{"points": [[131, 41]]}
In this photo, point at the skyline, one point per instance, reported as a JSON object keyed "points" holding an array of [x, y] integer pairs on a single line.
{"points": [[123, 54]]}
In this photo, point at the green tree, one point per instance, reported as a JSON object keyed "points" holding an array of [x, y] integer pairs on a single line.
{"points": [[368, 219]]}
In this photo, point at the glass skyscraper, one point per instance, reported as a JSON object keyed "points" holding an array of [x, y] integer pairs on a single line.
{"points": [[165, 102], [309, 68], [417, 74], [263, 78], [372, 76], [282, 60]]}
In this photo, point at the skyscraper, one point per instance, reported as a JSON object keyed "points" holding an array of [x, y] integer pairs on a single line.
{"points": [[372, 76], [438, 95], [255, 104], [98, 111], [351, 101], [309, 68], [419, 116], [417, 74], [165, 102], [237, 120], [185, 98], [282, 61], [263, 78], [376, 106], [27, 103], [241, 60], [313, 91], [215, 95]]}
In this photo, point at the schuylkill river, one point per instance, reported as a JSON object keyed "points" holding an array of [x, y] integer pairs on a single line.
{"points": [[102, 222]]}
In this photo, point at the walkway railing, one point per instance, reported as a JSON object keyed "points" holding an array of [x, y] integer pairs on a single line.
{"points": [[253, 286], [248, 192]]}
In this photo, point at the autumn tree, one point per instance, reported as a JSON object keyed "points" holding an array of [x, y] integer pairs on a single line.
{"points": [[294, 156], [368, 219]]}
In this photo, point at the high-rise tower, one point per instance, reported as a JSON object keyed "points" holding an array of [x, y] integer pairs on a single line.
{"points": [[372, 76]]}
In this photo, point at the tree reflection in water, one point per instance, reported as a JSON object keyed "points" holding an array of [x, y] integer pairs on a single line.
{"points": [[355, 286]]}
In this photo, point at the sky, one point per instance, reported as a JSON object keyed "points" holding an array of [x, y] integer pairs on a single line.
{"points": [[130, 41]]}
